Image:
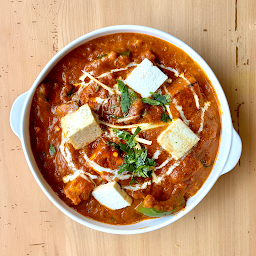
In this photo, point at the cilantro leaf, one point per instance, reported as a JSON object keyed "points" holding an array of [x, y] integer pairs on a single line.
{"points": [[114, 145], [205, 164], [127, 136], [125, 148], [114, 106], [44, 97], [52, 149], [125, 98], [165, 118], [101, 56], [164, 99], [126, 53], [136, 160], [71, 92], [133, 95], [130, 141], [151, 101], [122, 134], [133, 181], [158, 99]]}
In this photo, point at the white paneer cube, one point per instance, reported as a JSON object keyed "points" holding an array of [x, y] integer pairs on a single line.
{"points": [[80, 127], [177, 139], [112, 196], [146, 78]]}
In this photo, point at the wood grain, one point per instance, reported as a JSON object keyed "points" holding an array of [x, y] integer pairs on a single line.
{"points": [[223, 32]]}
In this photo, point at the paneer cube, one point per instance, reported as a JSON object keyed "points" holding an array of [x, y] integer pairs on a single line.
{"points": [[146, 78], [80, 127], [112, 196], [177, 139]]}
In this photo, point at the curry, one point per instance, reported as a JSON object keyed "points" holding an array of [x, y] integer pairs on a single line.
{"points": [[127, 149]]}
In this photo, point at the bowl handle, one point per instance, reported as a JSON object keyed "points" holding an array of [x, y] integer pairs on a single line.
{"points": [[234, 154], [15, 114]]}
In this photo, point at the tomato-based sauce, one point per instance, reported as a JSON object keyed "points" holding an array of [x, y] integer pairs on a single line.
{"points": [[74, 173]]}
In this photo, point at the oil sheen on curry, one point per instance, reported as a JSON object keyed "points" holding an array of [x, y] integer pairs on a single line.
{"points": [[126, 127]]}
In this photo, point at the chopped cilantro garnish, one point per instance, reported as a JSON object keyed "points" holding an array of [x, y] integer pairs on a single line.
{"points": [[125, 98], [127, 136], [71, 92], [164, 99], [133, 95], [133, 180], [205, 164], [101, 56], [97, 88], [138, 163], [151, 101], [45, 98], [52, 149], [114, 106], [116, 117], [135, 160], [127, 53], [165, 118], [158, 99], [114, 145]]}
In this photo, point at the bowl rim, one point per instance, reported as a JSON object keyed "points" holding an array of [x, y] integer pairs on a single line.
{"points": [[208, 184]]}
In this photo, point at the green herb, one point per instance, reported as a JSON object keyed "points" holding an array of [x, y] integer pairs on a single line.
{"points": [[52, 149], [112, 219], [133, 180], [71, 92], [158, 99], [165, 118], [101, 56], [114, 106], [116, 117], [151, 101], [125, 99], [152, 212], [127, 136], [118, 98], [205, 164], [97, 88], [114, 145], [133, 95], [135, 160], [125, 148], [164, 99], [45, 98], [127, 53]]}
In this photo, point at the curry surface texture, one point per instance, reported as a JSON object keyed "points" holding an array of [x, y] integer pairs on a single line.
{"points": [[109, 58]]}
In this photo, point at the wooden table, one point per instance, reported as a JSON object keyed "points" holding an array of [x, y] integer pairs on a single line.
{"points": [[223, 32]]}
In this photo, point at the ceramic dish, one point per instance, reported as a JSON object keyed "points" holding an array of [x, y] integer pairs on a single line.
{"points": [[228, 156]]}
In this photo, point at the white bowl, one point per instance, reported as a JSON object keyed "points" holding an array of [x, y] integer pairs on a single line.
{"points": [[228, 156]]}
